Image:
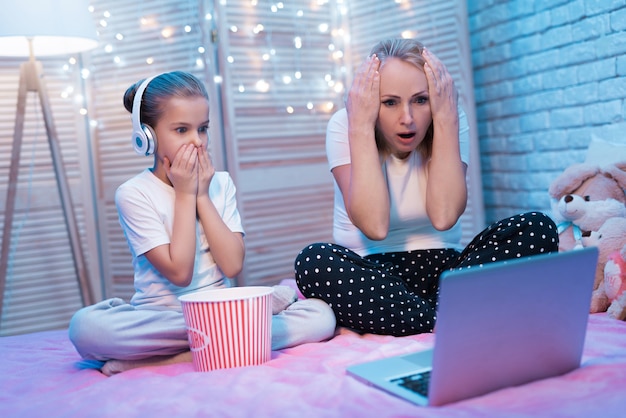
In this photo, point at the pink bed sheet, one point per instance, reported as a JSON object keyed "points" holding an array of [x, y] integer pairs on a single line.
{"points": [[41, 375]]}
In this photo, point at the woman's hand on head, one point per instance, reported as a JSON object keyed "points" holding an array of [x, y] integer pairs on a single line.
{"points": [[442, 92], [206, 170], [363, 102], [183, 171]]}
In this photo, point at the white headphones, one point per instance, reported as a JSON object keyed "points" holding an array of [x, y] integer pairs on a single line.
{"points": [[144, 139]]}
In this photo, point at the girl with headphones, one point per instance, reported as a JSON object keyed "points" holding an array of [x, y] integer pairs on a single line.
{"points": [[184, 231]]}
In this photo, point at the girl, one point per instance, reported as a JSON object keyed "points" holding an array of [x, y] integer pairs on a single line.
{"points": [[398, 154], [184, 231]]}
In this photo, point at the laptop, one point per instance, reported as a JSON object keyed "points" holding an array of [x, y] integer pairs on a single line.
{"points": [[504, 324]]}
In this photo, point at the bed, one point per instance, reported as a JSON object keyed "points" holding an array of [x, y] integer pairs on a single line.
{"points": [[42, 375]]}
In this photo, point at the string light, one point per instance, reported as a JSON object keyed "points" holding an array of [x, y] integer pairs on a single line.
{"points": [[281, 76], [67, 92], [167, 32], [262, 86], [328, 82]]}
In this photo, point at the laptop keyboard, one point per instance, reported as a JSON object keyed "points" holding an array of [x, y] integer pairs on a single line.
{"points": [[417, 382]]}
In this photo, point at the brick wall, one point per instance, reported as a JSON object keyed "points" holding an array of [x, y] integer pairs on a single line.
{"points": [[549, 75]]}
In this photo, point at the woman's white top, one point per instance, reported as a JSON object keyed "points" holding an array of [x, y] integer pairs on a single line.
{"points": [[409, 225]]}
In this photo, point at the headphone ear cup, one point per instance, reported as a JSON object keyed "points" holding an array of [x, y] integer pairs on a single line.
{"points": [[143, 140], [151, 139]]}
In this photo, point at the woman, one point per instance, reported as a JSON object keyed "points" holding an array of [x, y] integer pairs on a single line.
{"points": [[398, 154]]}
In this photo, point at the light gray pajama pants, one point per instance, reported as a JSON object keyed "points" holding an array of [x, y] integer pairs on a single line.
{"points": [[114, 329]]}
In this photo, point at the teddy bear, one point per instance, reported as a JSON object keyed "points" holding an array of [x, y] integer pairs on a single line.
{"points": [[610, 238], [615, 284], [583, 197]]}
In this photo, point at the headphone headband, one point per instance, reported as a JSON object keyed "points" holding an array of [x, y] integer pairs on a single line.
{"points": [[144, 139]]}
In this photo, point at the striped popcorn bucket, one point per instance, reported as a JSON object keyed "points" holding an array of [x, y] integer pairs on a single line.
{"points": [[229, 327]]}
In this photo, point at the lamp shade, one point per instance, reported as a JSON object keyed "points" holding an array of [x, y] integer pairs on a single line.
{"points": [[56, 27]]}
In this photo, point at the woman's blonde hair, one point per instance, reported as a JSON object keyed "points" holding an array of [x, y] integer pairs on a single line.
{"points": [[408, 50]]}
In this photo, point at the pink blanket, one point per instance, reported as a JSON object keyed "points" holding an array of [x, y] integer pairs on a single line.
{"points": [[42, 375]]}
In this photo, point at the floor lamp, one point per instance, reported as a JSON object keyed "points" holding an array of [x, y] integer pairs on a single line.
{"points": [[48, 27]]}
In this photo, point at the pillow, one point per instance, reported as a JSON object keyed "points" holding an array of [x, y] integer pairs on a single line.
{"points": [[602, 152]]}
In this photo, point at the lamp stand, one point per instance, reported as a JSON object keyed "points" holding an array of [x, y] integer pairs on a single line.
{"points": [[31, 79]]}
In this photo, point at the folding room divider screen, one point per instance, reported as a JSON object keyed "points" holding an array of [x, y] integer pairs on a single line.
{"points": [[276, 71]]}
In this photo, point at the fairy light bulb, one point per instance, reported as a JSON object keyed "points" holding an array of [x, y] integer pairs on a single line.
{"points": [[336, 34], [262, 86]]}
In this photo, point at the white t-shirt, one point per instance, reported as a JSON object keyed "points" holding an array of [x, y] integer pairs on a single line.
{"points": [[145, 207], [409, 225]]}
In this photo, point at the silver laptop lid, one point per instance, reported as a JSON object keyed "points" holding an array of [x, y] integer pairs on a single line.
{"points": [[510, 323]]}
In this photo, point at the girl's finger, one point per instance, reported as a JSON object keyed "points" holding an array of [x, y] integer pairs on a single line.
{"points": [[202, 161], [189, 157], [193, 158]]}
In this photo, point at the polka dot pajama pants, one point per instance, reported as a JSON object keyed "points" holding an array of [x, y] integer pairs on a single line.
{"points": [[397, 293]]}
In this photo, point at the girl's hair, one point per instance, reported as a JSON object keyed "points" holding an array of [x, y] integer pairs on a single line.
{"points": [[162, 88], [408, 50]]}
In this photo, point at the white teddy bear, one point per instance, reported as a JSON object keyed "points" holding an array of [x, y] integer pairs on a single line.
{"points": [[583, 197], [583, 217]]}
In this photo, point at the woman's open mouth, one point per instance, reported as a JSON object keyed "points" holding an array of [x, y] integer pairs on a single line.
{"points": [[406, 137]]}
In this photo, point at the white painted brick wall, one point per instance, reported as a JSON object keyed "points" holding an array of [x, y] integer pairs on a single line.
{"points": [[548, 74]]}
